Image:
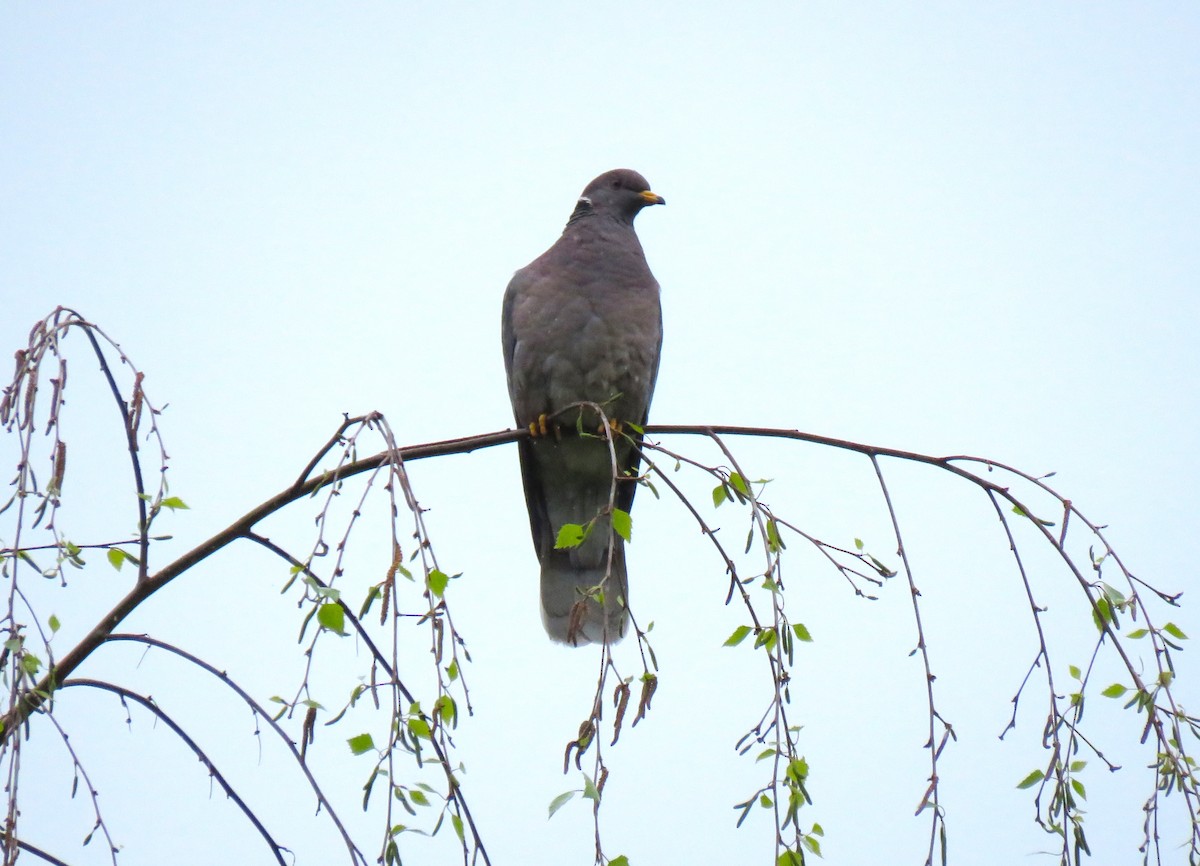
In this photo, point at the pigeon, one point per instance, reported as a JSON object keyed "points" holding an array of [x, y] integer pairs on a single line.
{"points": [[582, 324]]}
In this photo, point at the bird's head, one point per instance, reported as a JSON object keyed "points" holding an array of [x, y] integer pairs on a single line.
{"points": [[620, 193]]}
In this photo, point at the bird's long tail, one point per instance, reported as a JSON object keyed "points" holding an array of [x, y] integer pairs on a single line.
{"points": [[584, 596]]}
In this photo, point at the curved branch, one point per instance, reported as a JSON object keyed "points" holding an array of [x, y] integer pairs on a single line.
{"points": [[258, 710], [157, 711]]}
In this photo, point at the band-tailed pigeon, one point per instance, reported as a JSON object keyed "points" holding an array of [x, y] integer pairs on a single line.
{"points": [[582, 324]]}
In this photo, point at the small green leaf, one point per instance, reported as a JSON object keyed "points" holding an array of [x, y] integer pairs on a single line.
{"points": [[452, 670], [1031, 780], [1076, 766], [571, 535], [719, 495], [812, 845], [458, 827], [619, 860], [1023, 513], [332, 617], [622, 523], [419, 728], [361, 744], [739, 484], [1079, 789], [1116, 690], [560, 801], [418, 797], [116, 557], [1075, 672], [797, 770], [789, 858], [858, 544], [801, 632], [30, 663], [174, 503], [55, 625], [1174, 630], [1138, 634], [739, 634], [590, 791], [768, 637], [437, 581], [765, 801]]}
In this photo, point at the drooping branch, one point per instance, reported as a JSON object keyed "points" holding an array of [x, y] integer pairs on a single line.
{"points": [[258, 710], [147, 703]]}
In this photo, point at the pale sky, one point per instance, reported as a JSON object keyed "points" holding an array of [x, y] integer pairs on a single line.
{"points": [[946, 228]]}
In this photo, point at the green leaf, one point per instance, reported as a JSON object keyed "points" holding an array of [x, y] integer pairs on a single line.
{"points": [[1017, 509], [1075, 672], [1031, 780], [361, 744], [765, 801], [739, 634], [1174, 630], [452, 670], [373, 594], [719, 494], [789, 858], [571, 535], [622, 523], [1079, 789], [858, 544], [768, 637], [332, 617], [418, 727], [812, 845], [1076, 766], [116, 557], [560, 801], [1138, 634], [739, 484], [590, 791], [774, 542], [801, 632], [30, 663], [619, 860], [418, 797], [1116, 690], [174, 503], [458, 827], [437, 581], [55, 625]]}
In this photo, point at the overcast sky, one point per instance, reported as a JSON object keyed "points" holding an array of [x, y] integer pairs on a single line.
{"points": [[949, 228]]}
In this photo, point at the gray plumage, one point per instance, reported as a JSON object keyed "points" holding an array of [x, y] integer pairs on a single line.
{"points": [[583, 323]]}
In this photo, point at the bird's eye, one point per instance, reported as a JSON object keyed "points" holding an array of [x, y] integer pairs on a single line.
{"points": [[616, 184]]}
